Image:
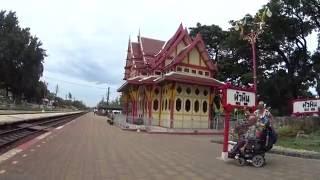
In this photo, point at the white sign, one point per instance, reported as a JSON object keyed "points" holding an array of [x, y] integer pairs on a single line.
{"points": [[306, 106], [241, 98]]}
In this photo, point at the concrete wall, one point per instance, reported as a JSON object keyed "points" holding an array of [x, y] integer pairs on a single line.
{"points": [[312, 122]]}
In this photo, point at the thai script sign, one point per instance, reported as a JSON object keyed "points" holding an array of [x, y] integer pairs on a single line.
{"points": [[240, 98], [306, 106]]}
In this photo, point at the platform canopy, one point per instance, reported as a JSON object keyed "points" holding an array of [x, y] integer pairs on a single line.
{"points": [[172, 76]]}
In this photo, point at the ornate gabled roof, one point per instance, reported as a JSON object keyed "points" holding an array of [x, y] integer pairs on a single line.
{"points": [[147, 54], [197, 43], [169, 46]]}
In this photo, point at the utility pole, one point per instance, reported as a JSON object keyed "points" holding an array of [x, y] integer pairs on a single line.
{"points": [[56, 93], [56, 90], [108, 94]]}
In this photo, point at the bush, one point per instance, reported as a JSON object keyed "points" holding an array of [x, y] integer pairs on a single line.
{"points": [[317, 133], [287, 131]]}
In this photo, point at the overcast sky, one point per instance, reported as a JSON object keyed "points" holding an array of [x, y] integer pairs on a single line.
{"points": [[86, 40]]}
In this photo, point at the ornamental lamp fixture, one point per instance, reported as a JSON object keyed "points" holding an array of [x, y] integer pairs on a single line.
{"points": [[237, 27], [268, 12], [252, 37]]}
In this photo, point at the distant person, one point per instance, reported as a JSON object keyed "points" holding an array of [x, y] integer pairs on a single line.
{"points": [[95, 111]]}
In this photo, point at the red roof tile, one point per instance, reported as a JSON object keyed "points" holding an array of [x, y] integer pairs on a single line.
{"points": [[136, 50], [151, 46]]}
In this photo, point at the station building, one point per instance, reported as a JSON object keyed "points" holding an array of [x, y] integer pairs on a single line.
{"points": [[170, 83]]}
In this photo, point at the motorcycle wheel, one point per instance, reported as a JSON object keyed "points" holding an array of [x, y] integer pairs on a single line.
{"points": [[258, 160], [241, 161]]}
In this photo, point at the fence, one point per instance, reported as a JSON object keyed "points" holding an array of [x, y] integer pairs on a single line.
{"points": [[123, 120]]}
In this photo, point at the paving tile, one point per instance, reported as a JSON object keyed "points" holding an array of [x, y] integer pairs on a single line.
{"points": [[90, 148]]}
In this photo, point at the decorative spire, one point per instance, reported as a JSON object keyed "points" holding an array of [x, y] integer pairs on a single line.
{"points": [[129, 44], [139, 35]]}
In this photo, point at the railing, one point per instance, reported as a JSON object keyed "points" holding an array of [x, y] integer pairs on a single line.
{"points": [[123, 121]]}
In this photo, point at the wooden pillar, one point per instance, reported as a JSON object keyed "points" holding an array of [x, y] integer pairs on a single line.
{"points": [[150, 111], [160, 106], [210, 107], [127, 104], [172, 104], [133, 95], [148, 95], [132, 110]]}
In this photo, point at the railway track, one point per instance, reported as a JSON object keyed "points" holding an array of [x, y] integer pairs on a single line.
{"points": [[16, 132]]}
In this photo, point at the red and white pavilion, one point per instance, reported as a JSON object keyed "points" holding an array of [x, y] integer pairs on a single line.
{"points": [[170, 84]]}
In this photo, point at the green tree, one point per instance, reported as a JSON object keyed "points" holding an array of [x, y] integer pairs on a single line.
{"points": [[21, 57], [285, 68]]}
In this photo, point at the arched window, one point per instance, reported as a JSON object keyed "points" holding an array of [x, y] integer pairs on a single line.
{"points": [[162, 105], [155, 105], [146, 106], [188, 90], [196, 106], [197, 91], [166, 105], [156, 91], [187, 105], [205, 92], [204, 106], [179, 89], [178, 104]]}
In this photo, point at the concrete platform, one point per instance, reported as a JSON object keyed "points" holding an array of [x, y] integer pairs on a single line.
{"points": [[163, 130], [13, 118], [120, 122], [90, 149], [9, 112]]}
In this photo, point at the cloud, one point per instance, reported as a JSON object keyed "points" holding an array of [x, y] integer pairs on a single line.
{"points": [[86, 41]]}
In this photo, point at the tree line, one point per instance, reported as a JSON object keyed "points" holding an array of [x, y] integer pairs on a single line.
{"points": [[286, 67], [116, 103]]}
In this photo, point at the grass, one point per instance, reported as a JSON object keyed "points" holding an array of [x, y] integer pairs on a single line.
{"points": [[311, 143]]}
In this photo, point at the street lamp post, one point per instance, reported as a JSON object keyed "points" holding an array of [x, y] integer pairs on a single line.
{"points": [[252, 37]]}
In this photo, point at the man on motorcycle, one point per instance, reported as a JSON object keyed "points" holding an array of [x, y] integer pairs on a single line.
{"points": [[245, 131], [255, 127]]}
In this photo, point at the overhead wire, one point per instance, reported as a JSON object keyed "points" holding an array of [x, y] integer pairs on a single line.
{"points": [[74, 83]]}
